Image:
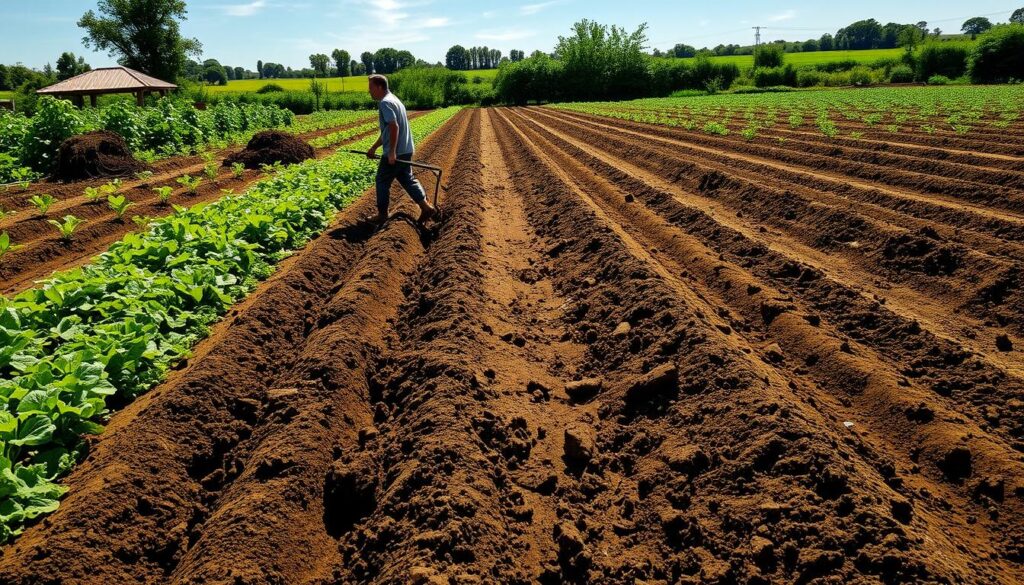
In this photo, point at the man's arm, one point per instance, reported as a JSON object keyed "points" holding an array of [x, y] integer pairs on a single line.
{"points": [[372, 152], [393, 129]]}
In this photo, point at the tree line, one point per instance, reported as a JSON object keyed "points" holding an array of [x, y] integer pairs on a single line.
{"points": [[460, 58], [863, 34]]}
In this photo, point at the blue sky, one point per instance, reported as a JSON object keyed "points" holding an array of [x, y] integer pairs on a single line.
{"points": [[238, 32]]}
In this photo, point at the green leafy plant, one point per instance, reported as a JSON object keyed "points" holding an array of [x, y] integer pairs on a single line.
{"points": [[189, 182], [42, 203], [237, 169], [163, 194], [66, 227], [716, 128], [144, 175], [4, 214], [749, 133], [6, 247], [210, 170], [93, 194], [120, 204]]}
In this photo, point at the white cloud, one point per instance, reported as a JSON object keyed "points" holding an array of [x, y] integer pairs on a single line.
{"points": [[783, 16], [529, 9], [504, 35], [435, 22], [490, 14], [244, 9]]}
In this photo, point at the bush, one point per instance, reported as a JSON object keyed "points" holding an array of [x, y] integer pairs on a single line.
{"points": [[430, 87], [270, 88], [861, 76], [533, 79], [946, 59], [999, 55], [938, 80], [836, 66], [775, 76], [769, 56], [901, 74], [837, 79], [809, 78]]}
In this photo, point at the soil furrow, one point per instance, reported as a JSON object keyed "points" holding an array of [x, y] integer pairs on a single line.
{"points": [[856, 384], [924, 259]]}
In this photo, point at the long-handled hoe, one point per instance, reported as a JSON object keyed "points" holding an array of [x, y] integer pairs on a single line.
{"points": [[436, 170]]}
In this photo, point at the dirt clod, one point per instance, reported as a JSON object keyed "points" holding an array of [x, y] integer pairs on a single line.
{"points": [[583, 390]]}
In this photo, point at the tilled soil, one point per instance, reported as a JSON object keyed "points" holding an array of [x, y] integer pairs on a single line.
{"points": [[627, 354]]}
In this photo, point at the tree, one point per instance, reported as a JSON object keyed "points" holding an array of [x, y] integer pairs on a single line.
{"points": [[863, 34], [682, 51], [600, 61], [259, 68], [768, 56], [142, 34], [457, 58], [367, 58], [937, 32], [826, 42], [239, 73], [214, 72], [809, 46], [975, 26], [356, 67], [923, 27], [68, 66], [1017, 17], [341, 61], [319, 62]]}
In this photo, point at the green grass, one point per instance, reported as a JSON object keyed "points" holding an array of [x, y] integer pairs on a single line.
{"points": [[819, 57], [355, 84]]}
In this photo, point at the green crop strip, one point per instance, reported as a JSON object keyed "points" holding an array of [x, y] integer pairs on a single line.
{"points": [[342, 135], [951, 109], [115, 326]]}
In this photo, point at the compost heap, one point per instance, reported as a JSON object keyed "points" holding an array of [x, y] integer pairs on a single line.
{"points": [[100, 153], [269, 147]]}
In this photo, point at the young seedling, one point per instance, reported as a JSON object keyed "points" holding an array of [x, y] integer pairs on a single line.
{"points": [[120, 204], [227, 192], [749, 133], [6, 246], [237, 169], [856, 135], [4, 214], [144, 175], [108, 189], [211, 170], [189, 182], [42, 203], [66, 227], [93, 194], [116, 184], [25, 185], [163, 194]]}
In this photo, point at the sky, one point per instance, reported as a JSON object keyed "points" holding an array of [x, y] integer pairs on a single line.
{"points": [[239, 32]]}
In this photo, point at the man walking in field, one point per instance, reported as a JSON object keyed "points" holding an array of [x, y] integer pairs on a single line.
{"points": [[398, 146]]}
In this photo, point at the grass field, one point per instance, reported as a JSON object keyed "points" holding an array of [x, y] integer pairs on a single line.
{"points": [[818, 57]]}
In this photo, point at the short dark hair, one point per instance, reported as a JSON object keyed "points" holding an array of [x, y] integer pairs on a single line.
{"points": [[379, 80]]}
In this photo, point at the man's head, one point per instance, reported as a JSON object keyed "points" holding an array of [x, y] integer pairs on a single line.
{"points": [[378, 86]]}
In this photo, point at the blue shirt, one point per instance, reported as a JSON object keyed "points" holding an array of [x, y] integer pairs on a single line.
{"points": [[391, 109]]}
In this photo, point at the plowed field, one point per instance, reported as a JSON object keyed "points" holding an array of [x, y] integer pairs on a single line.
{"points": [[627, 354]]}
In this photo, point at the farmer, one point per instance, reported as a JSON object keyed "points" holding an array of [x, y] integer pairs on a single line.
{"points": [[398, 146]]}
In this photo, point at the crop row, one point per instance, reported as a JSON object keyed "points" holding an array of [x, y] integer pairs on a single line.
{"points": [[955, 108], [28, 146], [113, 328]]}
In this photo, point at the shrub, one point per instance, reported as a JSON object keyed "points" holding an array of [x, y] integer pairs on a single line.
{"points": [[835, 66], [774, 76], [430, 87], [945, 59], [270, 88], [770, 56], [938, 80], [999, 55], [901, 74], [861, 76], [809, 78], [533, 79]]}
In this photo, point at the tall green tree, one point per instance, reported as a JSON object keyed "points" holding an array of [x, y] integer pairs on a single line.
{"points": [[457, 58], [341, 61], [367, 58], [600, 61], [259, 68], [69, 66], [320, 63], [142, 34], [975, 26], [1017, 17]]}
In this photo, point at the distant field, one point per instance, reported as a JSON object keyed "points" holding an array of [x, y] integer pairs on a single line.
{"points": [[799, 59], [6, 95], [356, 84]]}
